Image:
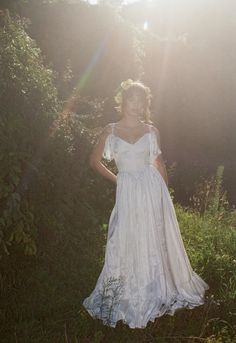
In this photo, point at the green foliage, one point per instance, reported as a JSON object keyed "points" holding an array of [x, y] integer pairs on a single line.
{"points": [[210, 233], [210, 197], [214, 205], [26, 85], [70, 239], [27, 95], [71, 254], [100, 55], [54, 214]]}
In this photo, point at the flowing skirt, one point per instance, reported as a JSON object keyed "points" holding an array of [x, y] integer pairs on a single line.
{"points": [[146, 272]]}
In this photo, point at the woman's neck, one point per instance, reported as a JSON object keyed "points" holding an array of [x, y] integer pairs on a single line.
{"points": [[130, 122]]}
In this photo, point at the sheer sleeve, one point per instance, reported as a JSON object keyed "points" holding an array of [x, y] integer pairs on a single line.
{"points": [[108, 148], [155, 150]]}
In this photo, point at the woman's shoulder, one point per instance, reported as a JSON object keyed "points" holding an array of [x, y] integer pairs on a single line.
{"points": [[106, 130], [153, 127]]}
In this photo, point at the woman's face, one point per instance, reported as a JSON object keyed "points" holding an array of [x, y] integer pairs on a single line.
{"points": [[134, 106]]}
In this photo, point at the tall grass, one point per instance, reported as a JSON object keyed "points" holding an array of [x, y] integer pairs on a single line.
{"points": [[47, 305]]}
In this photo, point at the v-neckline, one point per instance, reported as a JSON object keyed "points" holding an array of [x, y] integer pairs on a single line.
{"points": [[146, 133], [137, 140]]}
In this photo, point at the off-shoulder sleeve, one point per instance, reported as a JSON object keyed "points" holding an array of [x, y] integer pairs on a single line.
{"points": [[108, 149], [155, 150]]}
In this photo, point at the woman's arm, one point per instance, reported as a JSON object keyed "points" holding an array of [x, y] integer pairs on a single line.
{"points": [[96, 156], [159, 162]]}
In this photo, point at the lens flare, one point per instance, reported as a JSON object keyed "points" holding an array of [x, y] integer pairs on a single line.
{"points": [[145, 25]]}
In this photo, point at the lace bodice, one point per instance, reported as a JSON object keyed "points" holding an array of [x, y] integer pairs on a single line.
{"points": [[131, 156]]}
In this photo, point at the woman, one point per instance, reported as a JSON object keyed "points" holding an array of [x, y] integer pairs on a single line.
{"points": [[146, 272]]}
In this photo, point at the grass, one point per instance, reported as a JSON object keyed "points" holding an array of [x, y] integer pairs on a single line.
{"points": [[42, 296]]}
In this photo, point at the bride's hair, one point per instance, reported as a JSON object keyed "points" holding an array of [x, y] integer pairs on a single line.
{"points": [[127, 89]]}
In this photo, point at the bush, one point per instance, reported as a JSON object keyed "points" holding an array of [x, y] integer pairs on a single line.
{"points": [[28, 104]]}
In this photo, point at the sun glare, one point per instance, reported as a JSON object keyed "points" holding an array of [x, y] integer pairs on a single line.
{"points": [[145, 25]]}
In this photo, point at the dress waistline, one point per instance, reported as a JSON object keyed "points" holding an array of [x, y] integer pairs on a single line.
{"points": [[130, 170]]}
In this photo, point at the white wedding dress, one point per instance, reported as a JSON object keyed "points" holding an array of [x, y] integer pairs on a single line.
{"points": [[146, 272]]}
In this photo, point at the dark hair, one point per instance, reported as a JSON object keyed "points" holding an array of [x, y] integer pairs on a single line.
{"points": [[127, 89]]}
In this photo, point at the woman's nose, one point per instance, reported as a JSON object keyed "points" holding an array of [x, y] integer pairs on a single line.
{"points": [[137, 103]]}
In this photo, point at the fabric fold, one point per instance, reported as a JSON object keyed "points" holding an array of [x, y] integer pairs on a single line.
{"points": [[155, 150], [146, 272], [108, 149]]}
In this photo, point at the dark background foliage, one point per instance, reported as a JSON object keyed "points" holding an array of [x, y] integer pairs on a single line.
{"points": [[186, 58], [59, 68]]}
